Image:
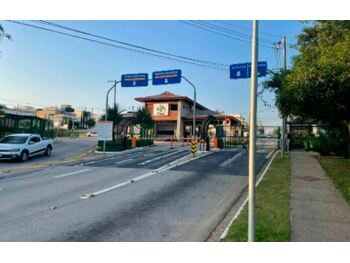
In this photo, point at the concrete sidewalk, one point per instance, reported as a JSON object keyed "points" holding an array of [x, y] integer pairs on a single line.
{"points": [[318, 211]]}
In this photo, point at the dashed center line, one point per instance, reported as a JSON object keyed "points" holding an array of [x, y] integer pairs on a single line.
{"points": [[72, 173]]}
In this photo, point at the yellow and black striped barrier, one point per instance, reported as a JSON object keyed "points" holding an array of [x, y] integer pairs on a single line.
{"points": [[194, 146]]}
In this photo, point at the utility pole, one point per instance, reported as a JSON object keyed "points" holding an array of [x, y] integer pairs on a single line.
{"points": [[252, 134], [115, 94], [194, 106], [284, 65]]}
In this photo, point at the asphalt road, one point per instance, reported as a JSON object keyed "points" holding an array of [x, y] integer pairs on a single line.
{"points": [[64, 149], [152, 194]]}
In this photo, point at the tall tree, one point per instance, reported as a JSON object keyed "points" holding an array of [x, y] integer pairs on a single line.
{"points": [[317, 87], [3, 34]]}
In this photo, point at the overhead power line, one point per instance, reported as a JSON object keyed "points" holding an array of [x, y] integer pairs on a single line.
{"points": [[202, 26], [248, 29], [129, 44], [129, 47], [229, 31]]}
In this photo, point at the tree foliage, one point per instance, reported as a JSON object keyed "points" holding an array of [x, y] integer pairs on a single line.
{"points": [[143, 118], [3, 33], [90, 122], [317, 87], [113, 114]]}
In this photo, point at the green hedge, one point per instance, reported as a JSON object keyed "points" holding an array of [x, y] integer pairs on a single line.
{"points": [[115, 146], [327, 143], [144, 142], [118, 145], [231, 141]]}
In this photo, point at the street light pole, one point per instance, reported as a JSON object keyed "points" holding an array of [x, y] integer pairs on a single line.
{"points": [[194, 106], [113, 87], [284, 64], [252, 134]]}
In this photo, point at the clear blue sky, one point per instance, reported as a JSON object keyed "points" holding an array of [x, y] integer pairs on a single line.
{"points": [[45, 68]]}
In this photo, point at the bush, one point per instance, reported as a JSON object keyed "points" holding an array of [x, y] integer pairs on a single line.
{"points": [[144, 142], [115, 146], [327, 143]]}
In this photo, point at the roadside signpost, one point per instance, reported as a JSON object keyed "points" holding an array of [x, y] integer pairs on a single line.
{"points": [[244, 70], [105, 132], [253, 71], [134, 80], [166, 77]]}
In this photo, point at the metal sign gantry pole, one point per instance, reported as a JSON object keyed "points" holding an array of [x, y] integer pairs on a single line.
{"points": [[252, 135], [194, 106], [113, 87]]}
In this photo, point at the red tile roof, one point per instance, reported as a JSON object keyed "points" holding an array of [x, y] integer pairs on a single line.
{"points": [[168, 96]]}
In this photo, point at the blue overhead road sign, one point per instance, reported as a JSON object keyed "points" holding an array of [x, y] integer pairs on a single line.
{"points": [[135, 80], [239, 71], [243, 70], [166, 77]]}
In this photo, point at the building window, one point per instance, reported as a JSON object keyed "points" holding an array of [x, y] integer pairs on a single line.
{"points": [[173, 107]]}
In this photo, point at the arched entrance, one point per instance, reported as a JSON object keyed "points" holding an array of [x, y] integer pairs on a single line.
{"points": [[210, 119]]}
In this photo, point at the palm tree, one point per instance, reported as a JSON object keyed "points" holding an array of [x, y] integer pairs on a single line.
{"points": [[144, 119]]}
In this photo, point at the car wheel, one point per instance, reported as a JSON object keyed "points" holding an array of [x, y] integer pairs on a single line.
{"points": [[24, 156], [48, 151]]}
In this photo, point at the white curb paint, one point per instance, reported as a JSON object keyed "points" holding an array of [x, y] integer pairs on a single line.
{"points": [[224, 234], [173, 164], [72, 173]]}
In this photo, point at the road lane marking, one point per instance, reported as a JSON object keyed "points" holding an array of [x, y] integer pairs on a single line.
{"points": [[124, 161], [228, 161], [166, 167], [114, 157], [240, 209], [159, 157], [72, 173]]}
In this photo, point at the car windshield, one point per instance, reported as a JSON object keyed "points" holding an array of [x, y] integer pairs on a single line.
{"points": [[14, 139]]}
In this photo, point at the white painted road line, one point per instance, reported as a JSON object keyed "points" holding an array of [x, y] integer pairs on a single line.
{"points": [[239, 211], [113, 158], [159, 157], [124, 161], [72, 173], [228, 161], [173, 164]]}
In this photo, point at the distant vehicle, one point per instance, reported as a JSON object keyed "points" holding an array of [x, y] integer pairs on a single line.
{"points": [[92, 134], [23, 146]]}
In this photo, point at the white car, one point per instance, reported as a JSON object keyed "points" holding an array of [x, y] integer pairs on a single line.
{"points": [[23, 146], [92, 134]]}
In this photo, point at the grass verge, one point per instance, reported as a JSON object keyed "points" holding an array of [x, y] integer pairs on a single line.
{"points": [[272, 207], [338, 169]]}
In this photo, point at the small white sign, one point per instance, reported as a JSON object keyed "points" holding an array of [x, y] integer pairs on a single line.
{"points": [[105, 130], [160, 109]]}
